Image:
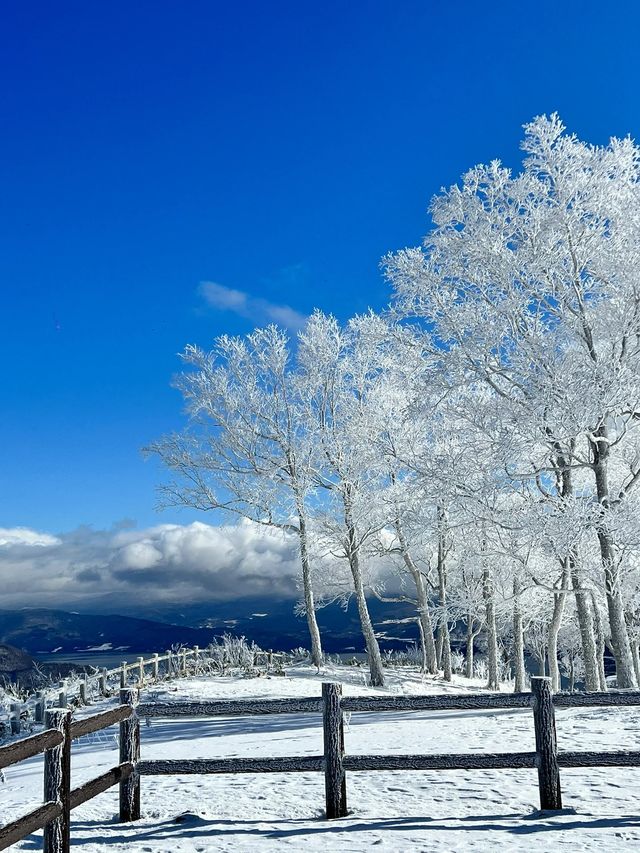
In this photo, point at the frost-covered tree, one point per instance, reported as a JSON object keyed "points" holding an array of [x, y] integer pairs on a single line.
{"points": [[482, 436], [340, 371], [400, 445], [245, 449], [528, 284]]}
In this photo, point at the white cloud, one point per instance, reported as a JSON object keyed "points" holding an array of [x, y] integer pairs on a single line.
{"points": [[25, 536], [251, 307], [166, 563], [110, 570], [284, 316], [224, 298], [140, 555]]}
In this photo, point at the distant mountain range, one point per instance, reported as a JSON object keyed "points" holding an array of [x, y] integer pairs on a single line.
{"points": [[269, 623], [40, 631], [274, 624]]}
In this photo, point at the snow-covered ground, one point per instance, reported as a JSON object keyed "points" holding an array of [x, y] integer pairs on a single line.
{"points": [[391, 811]]}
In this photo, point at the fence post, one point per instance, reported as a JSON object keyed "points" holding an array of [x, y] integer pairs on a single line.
{"points": [[169, 664], [335, 781], [130, 752], [544, 721], [62, 695], [15, 718], [84, 690], [141, 671], [183, 667], [40, 706], [123, 675], [156, 665], [196, 657], [103, 681], [57, 783]]}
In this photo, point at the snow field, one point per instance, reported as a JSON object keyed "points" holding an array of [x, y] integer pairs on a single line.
{"points": [[391, 811]]}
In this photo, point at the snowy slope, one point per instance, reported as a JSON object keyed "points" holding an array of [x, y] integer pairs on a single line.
{"points": [[393, 811]]}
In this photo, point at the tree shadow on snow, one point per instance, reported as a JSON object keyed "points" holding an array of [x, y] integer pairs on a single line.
{"points": [[192, 826]]}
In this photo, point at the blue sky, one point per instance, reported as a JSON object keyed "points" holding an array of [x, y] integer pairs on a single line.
{"points": [[274, 149]]}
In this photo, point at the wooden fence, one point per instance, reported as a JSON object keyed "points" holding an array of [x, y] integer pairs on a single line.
{"points": [[55, 742], [177, 663], [59, 797]]}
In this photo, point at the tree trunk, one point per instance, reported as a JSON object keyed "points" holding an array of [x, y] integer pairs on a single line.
{"points": [[620, 645], [599, 631], [586, 625], [554, 628], [373, 649], [492, 634], [518, 641], [585, 619], [636, 660], [424, 616], [444, 641], [468, 671], [307, 587], [423, 665]]}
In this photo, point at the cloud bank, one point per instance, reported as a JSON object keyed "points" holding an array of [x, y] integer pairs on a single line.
{"points": [[251, 307], [169, 563]]}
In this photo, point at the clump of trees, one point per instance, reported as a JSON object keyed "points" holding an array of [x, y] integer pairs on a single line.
{"points": [[481, 436]]}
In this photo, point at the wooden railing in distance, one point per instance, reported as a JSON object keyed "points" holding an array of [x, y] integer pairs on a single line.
{"points": [[178, 663]]}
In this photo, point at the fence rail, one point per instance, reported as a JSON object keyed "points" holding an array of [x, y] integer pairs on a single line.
{"points": [[229, 708], [55, 742]]}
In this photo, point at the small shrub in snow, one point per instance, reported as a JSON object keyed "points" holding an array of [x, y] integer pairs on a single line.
{"points": [[300, 655], [457, 662], [411, 656], [480, 669], [233, 653]]}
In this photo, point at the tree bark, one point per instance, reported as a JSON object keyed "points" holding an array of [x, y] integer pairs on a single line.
{"points": [[620, 645], [554, 628], [600, 642], [518, 641], [444, 641], [586, 626], [423, 665], [468, 663], [585, 619], [424, 615], [307, 587], [373, 649], [492, 634], [636, 660]]}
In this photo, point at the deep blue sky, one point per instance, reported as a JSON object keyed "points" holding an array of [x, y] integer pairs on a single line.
{"points": [[276, 148]]}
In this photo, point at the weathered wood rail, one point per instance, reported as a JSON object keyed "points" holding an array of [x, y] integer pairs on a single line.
{"points": [[61, 799]]}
